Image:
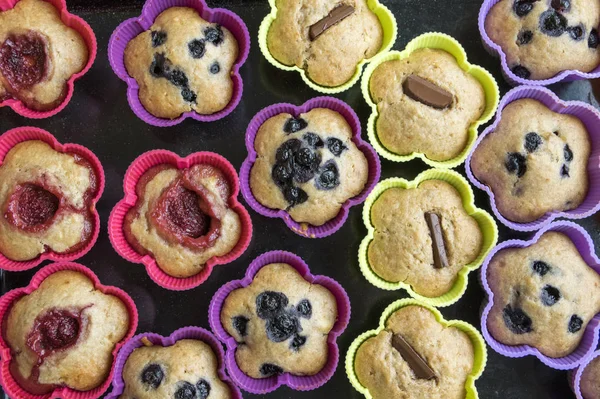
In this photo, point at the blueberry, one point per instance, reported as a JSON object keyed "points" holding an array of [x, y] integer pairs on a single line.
{"points": [[159, 66], [214, 35], [336, 146], [516, 164], [329, 177], [286, 151], [282, 174], [593, 39], [197, 48], [567, 153], [240, 323], [159, 37], [152, 375], [523, 7], [550, 295], [304, 308], [524, 37], [561, 5], [552, 23], [313, 140], [215, 68], [282, 327], [270, 303], [575, 324], [541, 268], [532, 141], [203, 388], [521, 71], [564, 171], [576, 32], [185, 391], [305, 157], [268, 370], [294, 125], [188, 95], [178, 78], [295, 196], [516, 320], [297, 342], [303, 174]]}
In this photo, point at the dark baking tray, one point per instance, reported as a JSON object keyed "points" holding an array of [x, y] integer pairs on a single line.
{"points": [[99, 118]]}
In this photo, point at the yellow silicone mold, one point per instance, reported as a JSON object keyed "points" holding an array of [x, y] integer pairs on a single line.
{"points": [[390, 29], [447, 43], [479, 348], [486, 223]]}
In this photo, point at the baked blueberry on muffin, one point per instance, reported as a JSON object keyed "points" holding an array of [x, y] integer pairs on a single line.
{"points": [[182, 218], [185, 370], [64, 333], [46, 201], [281, 323], [38, 54], [182, 63], [544, 295], [307, 165], [426, 104], [423, 237], [590, 380], [415, 357], [542, 38], [327, 39], [535, 161]]}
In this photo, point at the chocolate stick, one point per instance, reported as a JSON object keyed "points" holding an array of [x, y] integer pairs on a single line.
{"points": [[440, 257], [418, 365], [336, 15], [428, 93]]}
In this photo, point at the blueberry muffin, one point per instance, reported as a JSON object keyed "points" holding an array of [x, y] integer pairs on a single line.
{"points": [[187, 369], [38, 54], [61, 326], [535, 161], [544, 295], [182, 63], [307, 165], [405, 246], [409, 121], [446, 355], [46, 199], [327, 39], [590, 380], [542, 38], [281, 323], [182, 218]]}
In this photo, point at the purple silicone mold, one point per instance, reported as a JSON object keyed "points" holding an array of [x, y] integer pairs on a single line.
{"points": [[588, 343], [197, 333], [301, 383], [495, 50], [575, 375], [589, 116], [348, 113], [132, 27]]}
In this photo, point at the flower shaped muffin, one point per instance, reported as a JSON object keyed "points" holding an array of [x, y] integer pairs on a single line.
{"points": [[426, 104], [38, 54], [182, 63], [307, 165], [281, 323], [535, 161], [47, 201], [544, 295], [542, 38], [326, 39]]}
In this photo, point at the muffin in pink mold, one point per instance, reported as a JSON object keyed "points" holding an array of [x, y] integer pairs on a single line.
{"points": [[64, 318], [181, 59], [36, 79], [543, 296], [48, 196], [308, 165], [180, 217], [280, 324]]}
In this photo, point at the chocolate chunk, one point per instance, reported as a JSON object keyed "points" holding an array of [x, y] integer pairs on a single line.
{"points": [[440, 257], [418, 365], [335, 16], [425, 92]]}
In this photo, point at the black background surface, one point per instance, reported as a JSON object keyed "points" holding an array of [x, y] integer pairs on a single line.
{"points": [[99, 118]]}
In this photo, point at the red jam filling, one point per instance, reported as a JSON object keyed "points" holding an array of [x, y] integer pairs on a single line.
{"points": [[31, 207], [23, 60], [53, 331], [183, 213]]}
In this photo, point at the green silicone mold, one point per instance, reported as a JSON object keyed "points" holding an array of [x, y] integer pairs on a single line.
{"points": [[447, 43], [486, 223], [476, 338], [390, 29]]}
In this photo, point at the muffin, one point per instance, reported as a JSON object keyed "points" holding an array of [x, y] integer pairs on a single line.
{"points": [[47, 201], [423, 237], [326, 39], [187, 369], [415, 356], [307, 165], [182, 218], [281, 323], [590, 380], [544, 295], [535, 161], [542, 38], [60, 327], [426, 104], [38, 54], [182, 63]]}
